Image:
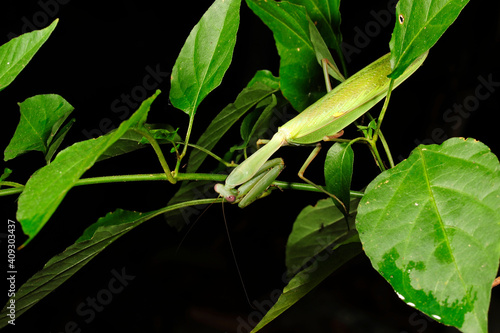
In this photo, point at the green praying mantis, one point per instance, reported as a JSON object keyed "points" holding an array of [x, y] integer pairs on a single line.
{"points": [[323, 120]]}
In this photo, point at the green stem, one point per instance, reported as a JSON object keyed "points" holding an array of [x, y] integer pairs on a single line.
{"points": [[342, 61], [149, 177], [180, 177], [188, 135], [386, 148], [159, 153], [384, 109], [186, 204], [376, 154], [10, 191], [11, 184], [209, 153]]}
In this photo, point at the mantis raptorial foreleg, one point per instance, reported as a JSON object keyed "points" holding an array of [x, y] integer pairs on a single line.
{"points": [[326, 117], [255, 188]]}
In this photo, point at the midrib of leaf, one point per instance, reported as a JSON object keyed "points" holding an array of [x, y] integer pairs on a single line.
{"points": [[53, 277], [433, 202], [285, 24], [96, 244], [26, 54], [204, 73], [35, 131]]}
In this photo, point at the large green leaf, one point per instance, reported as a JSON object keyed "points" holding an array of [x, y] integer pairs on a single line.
{"points": [[64, 265], [131, 140], [17, 53], [419, 24], [46, 189], [41, 118], [205, 56], [306, 280], [300, 74], [431, 227], [316, 229], [260, 87]]}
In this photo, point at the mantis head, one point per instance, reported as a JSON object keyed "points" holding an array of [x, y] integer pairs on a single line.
{"points": [[228, 193]]}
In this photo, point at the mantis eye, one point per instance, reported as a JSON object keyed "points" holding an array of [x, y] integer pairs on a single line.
{"points": [[231, 198]]}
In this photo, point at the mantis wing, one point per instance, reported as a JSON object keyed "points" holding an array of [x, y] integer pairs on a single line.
{"points": [[346, 103]]}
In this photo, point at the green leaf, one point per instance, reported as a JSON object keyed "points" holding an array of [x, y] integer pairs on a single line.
{"points": [[300, 76], [305, 281], [325, 14], [419, 24], [41, 117], [431, 227], [205, 56], [131, 140], [316, 229], [259, 124], [46, 189], [267, 78], [128, 142], [322, 53], [93, 241], [339, 165], [248, 98], [17, 53], [58, 139], [64, 265], [6, 173], [163, 135]]}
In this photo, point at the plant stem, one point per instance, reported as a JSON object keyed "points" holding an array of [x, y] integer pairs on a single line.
{"points": [[209, 153], [149, 177], [188, 135], [10, 191], [387, 150], [159, 153], [376, 154], [11, 184], [384, 109], [180, 177]]}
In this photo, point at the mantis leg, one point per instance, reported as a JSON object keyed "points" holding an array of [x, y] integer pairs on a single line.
{"points": [[258, 186], [302, 170]]}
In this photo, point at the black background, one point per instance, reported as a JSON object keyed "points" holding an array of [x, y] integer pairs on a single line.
{"points": [[98, 53]]}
